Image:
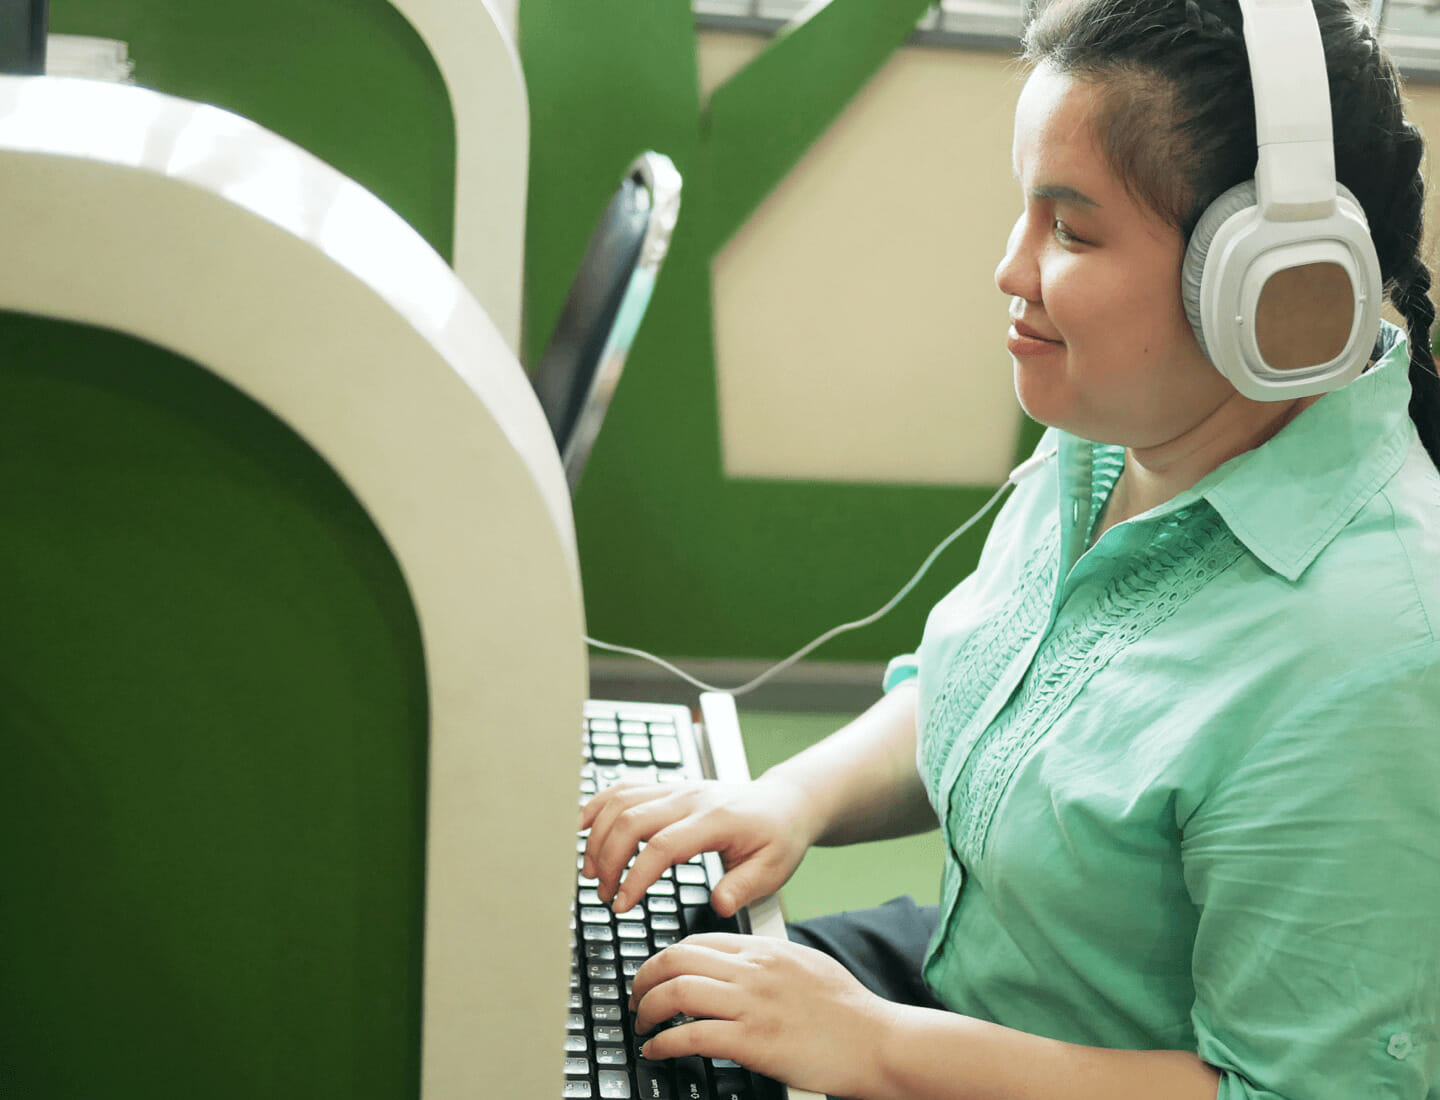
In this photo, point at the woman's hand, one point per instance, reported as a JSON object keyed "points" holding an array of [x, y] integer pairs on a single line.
{"points": [[787, 1011], [760, 829]]}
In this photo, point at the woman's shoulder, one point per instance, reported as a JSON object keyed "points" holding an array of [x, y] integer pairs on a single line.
{"points": [[1383, 567]]}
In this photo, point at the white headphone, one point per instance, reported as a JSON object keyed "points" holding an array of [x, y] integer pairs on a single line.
{"points": [[1292, 215]]}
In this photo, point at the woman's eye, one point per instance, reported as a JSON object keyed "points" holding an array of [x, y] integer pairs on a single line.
{"points": [[1063, 234]]}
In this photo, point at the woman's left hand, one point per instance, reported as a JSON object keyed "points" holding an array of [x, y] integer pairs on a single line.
{"points": [[789, 1012]]}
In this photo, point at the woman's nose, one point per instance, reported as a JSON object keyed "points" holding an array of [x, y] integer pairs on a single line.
{"points": [[1017, 275]]}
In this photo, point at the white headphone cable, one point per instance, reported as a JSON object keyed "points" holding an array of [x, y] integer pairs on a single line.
{"points": [[1024, 470]]}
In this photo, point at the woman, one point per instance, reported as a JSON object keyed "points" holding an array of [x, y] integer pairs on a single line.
{"points": [[1181, 727]]}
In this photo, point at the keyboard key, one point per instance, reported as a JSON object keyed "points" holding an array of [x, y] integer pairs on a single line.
{"points": [[577, 1090], [661, 887], [691, 1082], [594, 914], [660, 903], [577, 1043], [591, 896], [666, 751], [604, 991], [601, 972], [694, 895], [600, 952], [610, 1056], [607, 754], [732, 1082], [662, 923], [606, 1034], [577, 1067], [632, 949], [606, 1014], [638, 757], [664, 940], [615, 1085], [575, 1022], [597, 932], [635, 741], [654, 1081], [691, 873], [634, 727], [631, 930]]}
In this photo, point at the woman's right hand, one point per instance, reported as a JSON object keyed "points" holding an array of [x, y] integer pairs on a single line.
{"points": [[761, 830]]}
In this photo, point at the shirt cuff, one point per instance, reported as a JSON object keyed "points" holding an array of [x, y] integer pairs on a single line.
{"points": [[899, 670]]}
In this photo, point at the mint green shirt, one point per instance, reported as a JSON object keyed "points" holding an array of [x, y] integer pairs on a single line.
{"points": [[1189, 778]]}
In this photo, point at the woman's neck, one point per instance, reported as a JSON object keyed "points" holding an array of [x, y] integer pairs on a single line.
{"points": [[1156, 474]]}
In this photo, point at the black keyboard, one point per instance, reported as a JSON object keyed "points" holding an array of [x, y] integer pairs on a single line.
{"points": [[601, 1052]]}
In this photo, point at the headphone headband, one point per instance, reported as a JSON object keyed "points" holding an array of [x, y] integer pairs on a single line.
{"points": [[1295, 175]]}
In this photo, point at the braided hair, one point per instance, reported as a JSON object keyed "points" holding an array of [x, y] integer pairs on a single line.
{"points": [[1177, 125]]}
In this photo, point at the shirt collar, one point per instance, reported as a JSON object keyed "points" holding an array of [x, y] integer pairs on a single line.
{"points": [[1286, 499]]}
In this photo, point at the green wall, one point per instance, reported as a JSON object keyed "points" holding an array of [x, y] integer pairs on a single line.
{"points": [[675, 556], [349, 80]]}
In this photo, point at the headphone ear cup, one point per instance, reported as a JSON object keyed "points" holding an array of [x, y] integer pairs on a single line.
{"points": [[1229, 203]]}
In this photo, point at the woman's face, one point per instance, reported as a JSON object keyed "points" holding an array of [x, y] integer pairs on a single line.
{"points": [[1099, 337]]}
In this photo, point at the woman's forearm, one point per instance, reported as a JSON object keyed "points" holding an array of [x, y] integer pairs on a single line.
{"points": [[928, 1054], [862, 780]]}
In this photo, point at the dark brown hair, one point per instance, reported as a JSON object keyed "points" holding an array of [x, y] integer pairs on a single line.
{"points": [[1177, 126]]}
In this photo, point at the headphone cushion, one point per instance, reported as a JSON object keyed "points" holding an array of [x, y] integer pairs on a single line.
{"points": [[1229, 203]]}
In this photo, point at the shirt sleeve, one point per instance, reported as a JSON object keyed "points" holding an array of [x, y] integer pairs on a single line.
{"points": [[902, 668], [1315, 866]]}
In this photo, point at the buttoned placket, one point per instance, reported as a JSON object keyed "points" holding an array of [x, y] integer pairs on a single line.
{"points": [[1078, 563], [1074, 471]]}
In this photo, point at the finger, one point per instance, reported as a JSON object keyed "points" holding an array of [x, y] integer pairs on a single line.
{"points": [[626, 831], [742, 884], [691, 994], [710, 956], [597, 802], [675, 843], [603, 824], [711, 1038]]}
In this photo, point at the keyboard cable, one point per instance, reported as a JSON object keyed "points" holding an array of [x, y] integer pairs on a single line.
{"points": [[1024, 470]]}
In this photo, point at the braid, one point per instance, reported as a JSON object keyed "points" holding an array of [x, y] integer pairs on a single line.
{"points": [[1413, 302]]}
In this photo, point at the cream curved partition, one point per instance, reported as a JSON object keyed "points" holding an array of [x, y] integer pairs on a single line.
{"points": [[473, 44], [197, 231]]}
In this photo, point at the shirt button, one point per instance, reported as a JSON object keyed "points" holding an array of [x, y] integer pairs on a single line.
{"points": [[1400, 1045]]}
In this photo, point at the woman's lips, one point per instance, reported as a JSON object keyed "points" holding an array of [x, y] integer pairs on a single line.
{"points": [[1022, 340]]}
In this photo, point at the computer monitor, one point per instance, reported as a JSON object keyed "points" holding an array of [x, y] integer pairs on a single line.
{"points": [[293, 633]]}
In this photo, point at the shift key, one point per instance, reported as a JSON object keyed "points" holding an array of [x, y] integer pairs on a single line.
{"points": [[691, 1080]]}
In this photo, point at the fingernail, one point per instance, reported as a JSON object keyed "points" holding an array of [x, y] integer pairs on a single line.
{"points": [[622, 902], [645, 1051]]}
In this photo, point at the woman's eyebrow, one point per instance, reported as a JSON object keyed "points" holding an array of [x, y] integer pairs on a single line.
{"points": [[1058, 192]]}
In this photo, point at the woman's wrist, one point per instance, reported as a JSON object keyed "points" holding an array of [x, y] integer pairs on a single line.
{"points": [[812, 811]]}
